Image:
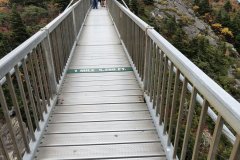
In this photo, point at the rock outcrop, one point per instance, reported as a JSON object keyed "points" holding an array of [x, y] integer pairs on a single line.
{"points": [[192, 25]]}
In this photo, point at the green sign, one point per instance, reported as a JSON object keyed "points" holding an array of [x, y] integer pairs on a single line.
{"points": [[99, 70]]}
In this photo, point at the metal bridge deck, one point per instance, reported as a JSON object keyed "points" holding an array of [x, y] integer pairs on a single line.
{"points": [[101, 114]]}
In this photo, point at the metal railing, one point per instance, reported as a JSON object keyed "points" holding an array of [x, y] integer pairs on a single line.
{"points": [[175, 88], [30, 77]]}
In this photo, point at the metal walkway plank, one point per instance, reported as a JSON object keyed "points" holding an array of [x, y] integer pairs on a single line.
{"points": [[101, 100], [108, 94], [99, 87], [99, 62], [94, 20], [74, 109], [97, 83], [98, 117], [102, 74], [100, 66], [99, 138], [89, 36], [100, 127], [98, 57], [101, 151], [99, 12], [100, 78], [99, 50]]}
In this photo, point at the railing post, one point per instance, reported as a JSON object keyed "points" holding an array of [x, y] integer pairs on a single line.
{"points": [[145, 83], [236, 149], [50, 65], [4, 150], [74, 24], [8, 120]]}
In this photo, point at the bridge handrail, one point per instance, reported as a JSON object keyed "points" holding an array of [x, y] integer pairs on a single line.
{"points": [[10, 60], [223, 102], [32, 73], [149, 51]]}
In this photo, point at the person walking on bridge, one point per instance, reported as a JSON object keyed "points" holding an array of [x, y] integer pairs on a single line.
{"points": [[95, 4]]}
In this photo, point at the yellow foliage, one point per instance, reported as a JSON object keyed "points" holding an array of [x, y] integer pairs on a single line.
{"points": [[216, 25], [4, 10], [195, 8], [226, 31], [3, 1], [238, 70]]}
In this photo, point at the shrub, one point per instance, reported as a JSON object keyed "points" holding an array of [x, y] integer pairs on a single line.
{"points": [[33, 14]]}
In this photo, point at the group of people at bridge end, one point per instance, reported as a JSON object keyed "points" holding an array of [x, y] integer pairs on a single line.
{"points": [[95, 3]]}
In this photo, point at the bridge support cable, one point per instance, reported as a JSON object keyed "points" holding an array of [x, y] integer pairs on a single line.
{"points": [[124, 4]]}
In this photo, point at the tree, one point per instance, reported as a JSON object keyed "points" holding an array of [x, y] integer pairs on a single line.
{"points": [[218, 17], [226, 20], [19, 32], [235, 27], [228, 6], [62, 3], [134, 6], [196, 2], [4, 45], [127, 2], [15, 1], [27, 2], [237, 42], [204, 7], [141, 10], [33, 14], [148, 2], [223, 18], [236, 23]]}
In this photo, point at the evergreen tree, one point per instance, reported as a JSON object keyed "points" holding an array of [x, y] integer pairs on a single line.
{"points": [[134, 6], [236, 30], [141, 10], [127, 2], [236, 23], [204, 7], [223, 18], [219, 16], [16, 1], [228, 6], [171, 24], [27, 2], [237, 42], [148, 2], [62, 4], [196, 2], [4, 45], [226, 21], [19, 32]]}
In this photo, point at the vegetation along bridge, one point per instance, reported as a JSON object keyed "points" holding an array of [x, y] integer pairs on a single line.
{"points": [[103, 84]]}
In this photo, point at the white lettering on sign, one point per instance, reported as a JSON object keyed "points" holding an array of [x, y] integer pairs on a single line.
{"points": [[93, 70], [86, 70]]}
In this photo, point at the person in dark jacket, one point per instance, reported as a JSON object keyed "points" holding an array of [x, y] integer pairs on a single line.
{"points": [[95, 4]]}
